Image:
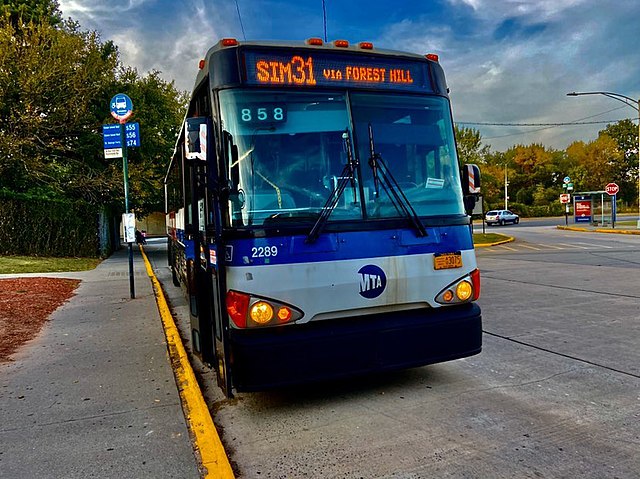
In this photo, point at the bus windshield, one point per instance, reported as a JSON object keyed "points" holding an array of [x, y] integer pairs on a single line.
{"points": [[291, 155]]}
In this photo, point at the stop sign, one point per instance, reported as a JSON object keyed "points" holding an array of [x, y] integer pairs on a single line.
{"points": [[612, 189]]}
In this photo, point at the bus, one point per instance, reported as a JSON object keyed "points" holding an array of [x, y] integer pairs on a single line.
{"points": [[318, 218]]}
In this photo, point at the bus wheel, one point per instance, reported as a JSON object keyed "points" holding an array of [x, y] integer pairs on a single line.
{"points": [[174, 276]]}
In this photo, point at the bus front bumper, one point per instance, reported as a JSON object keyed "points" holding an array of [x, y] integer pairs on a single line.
{"points": [[274, 357]]}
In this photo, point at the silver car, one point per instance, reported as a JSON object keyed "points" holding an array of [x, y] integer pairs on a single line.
{"points": [[501, 217]]}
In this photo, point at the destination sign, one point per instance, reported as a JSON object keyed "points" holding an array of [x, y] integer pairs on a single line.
{"points": [[335, 70]]}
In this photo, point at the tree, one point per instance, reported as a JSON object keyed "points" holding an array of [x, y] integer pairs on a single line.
{"points": [[23, 12], [594, 162], [625, 171], [160, 109], [55, 87], [54, 83], [470, 147]]}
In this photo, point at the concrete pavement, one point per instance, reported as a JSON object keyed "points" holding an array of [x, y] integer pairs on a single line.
{"points": [[94, 394]]}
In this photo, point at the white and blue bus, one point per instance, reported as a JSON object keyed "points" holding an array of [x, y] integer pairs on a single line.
{"points": [[318, 216]]}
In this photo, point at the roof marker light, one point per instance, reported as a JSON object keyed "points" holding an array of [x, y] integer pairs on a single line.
{"points": [[341, 43], [315, 41], [366, 45], [229, 42], [200, 64], [432, 57]]}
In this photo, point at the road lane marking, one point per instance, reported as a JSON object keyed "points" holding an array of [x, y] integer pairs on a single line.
{"points": [[550, 246], [530, 247], [595, 245], [573, 246]]}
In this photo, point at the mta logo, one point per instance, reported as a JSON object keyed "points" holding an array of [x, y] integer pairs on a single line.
{"points": [[372, 281]]}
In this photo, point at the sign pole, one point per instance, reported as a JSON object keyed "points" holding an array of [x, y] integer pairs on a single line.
{"points": [[121, 109], [125, 173]]}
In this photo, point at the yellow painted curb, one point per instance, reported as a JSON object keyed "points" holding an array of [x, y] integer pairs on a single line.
{"points": [[618, 232], [486, 245], [206, 439], [599, 230], [571, 228]]}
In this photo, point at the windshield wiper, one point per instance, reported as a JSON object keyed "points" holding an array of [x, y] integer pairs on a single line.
{"points": [[347, 176], [380, 170]]}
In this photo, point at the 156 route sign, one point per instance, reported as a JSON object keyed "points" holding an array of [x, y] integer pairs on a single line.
{"points": [[612, 189]]}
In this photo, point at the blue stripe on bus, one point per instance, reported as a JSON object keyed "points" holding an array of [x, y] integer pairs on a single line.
{"points": [[346, 245]]}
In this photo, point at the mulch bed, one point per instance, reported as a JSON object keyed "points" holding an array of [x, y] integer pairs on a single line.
{"points": [[25, 305]]}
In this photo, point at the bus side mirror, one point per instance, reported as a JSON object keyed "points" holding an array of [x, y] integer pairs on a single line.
{"points": [[195, 138], [471, 180], [470, 187]]}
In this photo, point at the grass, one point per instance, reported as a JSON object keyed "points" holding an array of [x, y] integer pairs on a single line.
{"points": [[627, 223], [33, 264], [479, 238]]}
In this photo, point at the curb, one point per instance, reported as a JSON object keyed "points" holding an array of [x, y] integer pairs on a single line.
{"points": [[486, 245], [599, 230], [205, 436]]}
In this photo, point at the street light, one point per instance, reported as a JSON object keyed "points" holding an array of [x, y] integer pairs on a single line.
{"points": [[635, 104], [506, 188]]}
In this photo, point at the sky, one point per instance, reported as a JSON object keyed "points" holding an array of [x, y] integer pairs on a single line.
{"points": [[506, 61]]}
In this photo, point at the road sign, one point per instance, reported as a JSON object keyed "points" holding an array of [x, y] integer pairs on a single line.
{"points": [[566, 180], [113, 153], [121, 107], [565, 198], [129, 227], [132, 134], [612, 189], [111, 136]]}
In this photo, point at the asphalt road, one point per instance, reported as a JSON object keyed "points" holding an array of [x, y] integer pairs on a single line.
{"points": [[554, 394]]}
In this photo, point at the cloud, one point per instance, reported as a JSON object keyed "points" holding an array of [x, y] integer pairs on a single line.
{"points": [[519, 59], [506, 61], [170, 37]]}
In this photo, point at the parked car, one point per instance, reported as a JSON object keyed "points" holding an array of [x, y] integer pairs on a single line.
{"points": [[501, 217]]}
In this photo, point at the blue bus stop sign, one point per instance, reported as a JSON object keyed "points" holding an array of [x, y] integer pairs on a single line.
{"points": [[121, 107]]}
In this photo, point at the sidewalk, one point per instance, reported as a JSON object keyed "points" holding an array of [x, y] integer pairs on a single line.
{"points": [[94, 394]]}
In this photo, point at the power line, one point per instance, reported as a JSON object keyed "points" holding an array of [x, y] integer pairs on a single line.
{"points": [[540, 124], [324, 19], [240, 18], [579, 121]]}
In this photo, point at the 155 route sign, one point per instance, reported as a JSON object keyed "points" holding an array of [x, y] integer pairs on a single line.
{"points": [[612, 189]]}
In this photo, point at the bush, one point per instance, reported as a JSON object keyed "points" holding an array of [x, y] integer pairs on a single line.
{"points": [[34, 226]]}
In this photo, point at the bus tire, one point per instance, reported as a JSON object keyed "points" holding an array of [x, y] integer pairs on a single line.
{"points": [[174, 277]]}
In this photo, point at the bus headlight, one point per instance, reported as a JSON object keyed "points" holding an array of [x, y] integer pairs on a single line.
{"points": [[463, 290], [261, 312], [246, 311]]}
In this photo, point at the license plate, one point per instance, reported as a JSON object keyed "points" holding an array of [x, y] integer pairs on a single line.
{"points": [[447, 261]]}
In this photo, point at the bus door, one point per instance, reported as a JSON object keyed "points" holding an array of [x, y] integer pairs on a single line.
{"points": [[198, 280], [218, 284]]}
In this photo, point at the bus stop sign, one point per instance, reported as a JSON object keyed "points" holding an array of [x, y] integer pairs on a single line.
{"points": [[121, 107], [612, 189]]}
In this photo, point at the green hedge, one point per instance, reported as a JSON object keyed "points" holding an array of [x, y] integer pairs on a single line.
{"points": [[33, 226], [531, 211]]}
